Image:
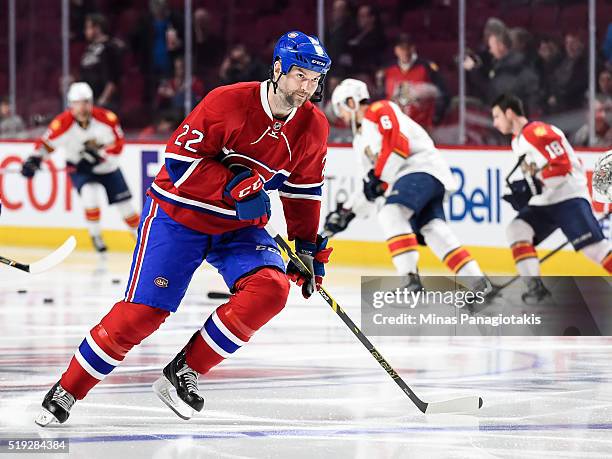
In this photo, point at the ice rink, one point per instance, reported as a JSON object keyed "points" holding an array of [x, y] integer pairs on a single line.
{"points": [[303, 388]]}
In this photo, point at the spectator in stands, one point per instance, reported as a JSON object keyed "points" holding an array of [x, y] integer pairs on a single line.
{"points": [[603, 126], [101, 62], [208, 47], [330, 84], [522, 43], [549, 58], [156, 41], [604, 83], [508, 74], [368, 44], [239, 65], [481, 59], [415, 84], [11, 126], [79, 10], [172, 91], [569, 81], [341, 28], [164, 125]]}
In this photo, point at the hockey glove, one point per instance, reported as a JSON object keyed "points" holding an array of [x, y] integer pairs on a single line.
{"points": [[519, 195], [314, 256], [373, 187], [251, 201], [30, 166], [338, 220], [90, 158]]}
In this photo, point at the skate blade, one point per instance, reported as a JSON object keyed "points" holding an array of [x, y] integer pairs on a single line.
{"points": [[45, 418], [165, 391]]}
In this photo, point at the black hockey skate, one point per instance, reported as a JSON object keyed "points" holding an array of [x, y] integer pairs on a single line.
{"points": [[484, 285], [55, 406], [98, 244], [489, 292], [414, 283], [178, 387], [536, 291]]}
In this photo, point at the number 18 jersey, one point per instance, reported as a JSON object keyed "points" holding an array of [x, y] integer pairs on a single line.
{"points": [[559, 169]]}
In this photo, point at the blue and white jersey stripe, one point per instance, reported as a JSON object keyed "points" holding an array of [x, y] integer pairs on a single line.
{"points": [[192, 204], [180, 167], [301, 191]]}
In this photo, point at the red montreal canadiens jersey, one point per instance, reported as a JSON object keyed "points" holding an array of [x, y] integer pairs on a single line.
{"points": [[232, 128]]}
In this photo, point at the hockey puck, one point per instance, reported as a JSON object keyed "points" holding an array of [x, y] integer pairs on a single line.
{"points": [[219, 295], [22, 291], [48, 300], [116, 281]]}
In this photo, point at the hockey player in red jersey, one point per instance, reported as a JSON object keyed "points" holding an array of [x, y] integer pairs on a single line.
{"points": [[92, 140], [553, 194], [210, 202], [407, 176]]}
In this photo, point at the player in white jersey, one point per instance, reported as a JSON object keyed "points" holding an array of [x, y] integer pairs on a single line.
{"points": [[553, 194], [92, 140], [404, 169]]}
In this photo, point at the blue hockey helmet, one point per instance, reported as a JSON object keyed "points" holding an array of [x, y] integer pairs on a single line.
{"points": [[297, 48]]}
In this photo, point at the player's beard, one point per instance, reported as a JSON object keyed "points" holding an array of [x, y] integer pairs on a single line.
{"points": [[293, 99]]}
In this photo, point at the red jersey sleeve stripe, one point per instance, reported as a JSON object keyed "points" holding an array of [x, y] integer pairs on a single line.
{"points": [[393, 141], [59, 125]]}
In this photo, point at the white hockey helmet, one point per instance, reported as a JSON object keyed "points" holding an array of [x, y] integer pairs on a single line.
{"points": [[349, 89], [79, 91]]}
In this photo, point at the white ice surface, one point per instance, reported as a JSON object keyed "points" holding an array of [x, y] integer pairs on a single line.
{"points": [[304, 387]]}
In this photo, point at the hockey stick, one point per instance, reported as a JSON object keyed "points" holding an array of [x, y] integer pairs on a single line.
{"points": [[544, 258], [51, 260], [18, 171], [457, 405]]}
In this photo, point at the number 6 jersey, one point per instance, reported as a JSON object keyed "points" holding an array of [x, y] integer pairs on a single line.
{"points": [[231, 129], [559, 169]]}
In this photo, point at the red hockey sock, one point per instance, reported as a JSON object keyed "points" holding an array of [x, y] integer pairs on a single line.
{"points": [[607, 262], [258, 298], [522, 250], [105, 346], [457, 259]]}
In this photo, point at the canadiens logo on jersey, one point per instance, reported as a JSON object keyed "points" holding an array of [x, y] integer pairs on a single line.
{"points": [[161, 282]]}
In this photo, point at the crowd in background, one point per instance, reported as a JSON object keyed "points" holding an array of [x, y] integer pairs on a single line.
{"points": [[133, 58]]}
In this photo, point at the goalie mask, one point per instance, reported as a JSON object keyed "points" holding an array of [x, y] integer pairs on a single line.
{"points": [[349, 89], [602, 178]]}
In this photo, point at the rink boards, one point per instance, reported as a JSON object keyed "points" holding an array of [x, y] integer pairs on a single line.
{"points": [[46, 210]]}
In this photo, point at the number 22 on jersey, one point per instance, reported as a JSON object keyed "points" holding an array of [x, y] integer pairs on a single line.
{"points": [[197, 139]]}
